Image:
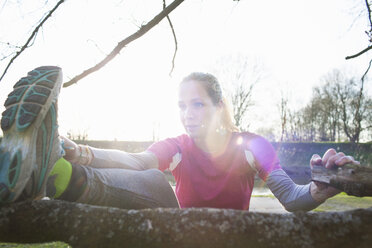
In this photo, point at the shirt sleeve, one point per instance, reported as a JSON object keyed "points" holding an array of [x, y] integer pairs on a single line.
{"points": [[265, 160], [265, 157], [292, 196], [167, 152], [110, 158]]}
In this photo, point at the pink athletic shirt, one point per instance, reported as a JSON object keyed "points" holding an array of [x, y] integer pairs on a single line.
{"points": [[225, 181]]}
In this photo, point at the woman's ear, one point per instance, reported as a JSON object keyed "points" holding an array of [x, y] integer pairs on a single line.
{"points": [[221, 104]]}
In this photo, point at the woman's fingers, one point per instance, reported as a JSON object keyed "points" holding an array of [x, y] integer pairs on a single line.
{"points": [[346, 160], [331, 158], [327, 155], [315, 160], [331, 161]]}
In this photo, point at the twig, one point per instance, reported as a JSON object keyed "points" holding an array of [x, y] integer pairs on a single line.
{"points": [[144, 29], [365, 73], [31, 38], [369, 33], [360, 53], [10, 45], [175, 40], [6, 56], [369, 15]]}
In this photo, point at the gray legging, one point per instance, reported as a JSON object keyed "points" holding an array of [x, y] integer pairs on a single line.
{"points": [[129, 189]]}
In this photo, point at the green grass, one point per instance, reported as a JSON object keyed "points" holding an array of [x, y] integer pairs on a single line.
{"points": [[340, 202], [343, 202], [267, 195], [44, 245]]}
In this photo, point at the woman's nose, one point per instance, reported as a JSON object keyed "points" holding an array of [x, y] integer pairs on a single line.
{"points": [[189, 113]]}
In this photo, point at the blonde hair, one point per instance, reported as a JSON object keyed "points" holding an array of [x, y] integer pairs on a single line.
{"points": [[213, 88]]}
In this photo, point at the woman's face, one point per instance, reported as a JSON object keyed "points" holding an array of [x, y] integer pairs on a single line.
{"points": [[198, 114]]}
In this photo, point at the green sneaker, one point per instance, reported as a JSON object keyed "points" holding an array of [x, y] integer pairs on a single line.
{"points": [[31, 145]]}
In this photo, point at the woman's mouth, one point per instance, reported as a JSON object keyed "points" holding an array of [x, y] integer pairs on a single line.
{"points": [[191, 128]]}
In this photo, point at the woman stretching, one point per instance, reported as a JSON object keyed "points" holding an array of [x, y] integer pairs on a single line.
{"points": [[214, 164]]}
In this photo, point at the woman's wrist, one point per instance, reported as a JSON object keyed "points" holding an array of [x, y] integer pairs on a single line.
{"points": [[83, 155], [316, 193], [321, 192], [86, 155]]}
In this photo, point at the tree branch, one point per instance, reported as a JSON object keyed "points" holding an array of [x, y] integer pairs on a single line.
{"points": [[369, 15], [143, 30], [32, 37], [175, 40], [365, 73], [369, 33], [360, 53], [82, 225], [353, 179]]}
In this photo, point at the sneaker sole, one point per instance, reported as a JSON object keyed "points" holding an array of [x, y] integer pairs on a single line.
{"points": [[26, 107]]}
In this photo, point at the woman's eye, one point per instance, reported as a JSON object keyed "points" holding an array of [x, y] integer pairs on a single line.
{"points": [[198, 104], [181, 106]]}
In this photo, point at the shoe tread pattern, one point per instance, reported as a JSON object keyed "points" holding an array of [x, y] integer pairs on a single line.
{"points": [[10, 176], [30, 93]]}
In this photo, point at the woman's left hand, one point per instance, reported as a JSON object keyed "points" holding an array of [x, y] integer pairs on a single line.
{"points": [[331, 159]]}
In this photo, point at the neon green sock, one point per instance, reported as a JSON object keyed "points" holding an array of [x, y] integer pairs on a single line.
{"points": [[63, 171]]}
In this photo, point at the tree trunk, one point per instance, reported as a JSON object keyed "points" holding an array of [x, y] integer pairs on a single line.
{"points": [[90, 226]]}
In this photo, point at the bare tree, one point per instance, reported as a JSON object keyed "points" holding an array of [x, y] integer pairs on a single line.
{"points": [[283, 110], [340, 108], [303, 123], [239, 74], [79, 135], [326, 98], [294, 122], [368, 119], [352, 104], [367, 4], [340, 104], [241, 99], [290, 120]]}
